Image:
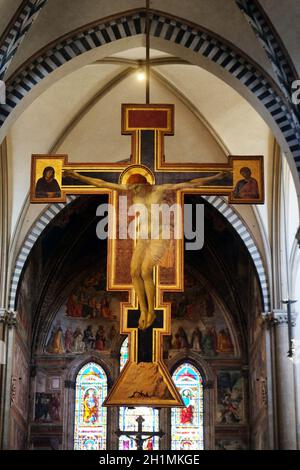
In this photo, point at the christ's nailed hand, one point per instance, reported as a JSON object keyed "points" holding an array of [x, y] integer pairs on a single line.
{"points": [[223, 174], [70, 174]]}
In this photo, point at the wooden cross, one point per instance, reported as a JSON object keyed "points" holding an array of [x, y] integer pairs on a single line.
{"points": [[145, 380], [137, 436]]}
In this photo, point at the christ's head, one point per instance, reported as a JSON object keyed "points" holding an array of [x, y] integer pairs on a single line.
{"points": [[137, 178]]}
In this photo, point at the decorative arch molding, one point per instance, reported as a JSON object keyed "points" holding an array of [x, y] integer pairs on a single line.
{"points": [[176, 30], [39, 226], [219, 203], [16, 30], [76, 365], [204, 368], [275, 50], [240, 227]]}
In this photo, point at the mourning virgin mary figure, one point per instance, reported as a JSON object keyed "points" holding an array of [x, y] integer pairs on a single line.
{"points": [[47, 186]]}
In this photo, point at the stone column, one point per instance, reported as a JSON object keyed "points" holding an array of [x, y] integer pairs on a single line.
{"points": [[9, 321], [4, 249], [285, 386], [2, 368]]}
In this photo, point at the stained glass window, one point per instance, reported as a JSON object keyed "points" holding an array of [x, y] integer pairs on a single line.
{"points": [[123, 353], [90, 415], [187, 423], [128, 416]]}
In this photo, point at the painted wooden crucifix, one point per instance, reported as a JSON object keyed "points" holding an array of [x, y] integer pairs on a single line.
{"points": [[150, 262], [140, 436]]}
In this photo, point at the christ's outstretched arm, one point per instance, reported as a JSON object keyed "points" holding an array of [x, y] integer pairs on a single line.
{"points": [[195, 183], [98, 182]]}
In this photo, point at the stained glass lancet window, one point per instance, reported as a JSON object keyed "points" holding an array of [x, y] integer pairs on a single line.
{"points": [[187, 423], [123, 353], [90, 415], [128, 416]]}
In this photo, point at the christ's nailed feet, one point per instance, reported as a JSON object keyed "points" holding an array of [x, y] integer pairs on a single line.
{"points": [[150, 319], [143, 320], [146, 320]]}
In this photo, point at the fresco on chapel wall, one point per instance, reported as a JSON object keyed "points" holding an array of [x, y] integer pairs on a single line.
{"points": [[89, 320], [41, 382], [47, 407], [198, 323], [230, 397], [48, 397]]}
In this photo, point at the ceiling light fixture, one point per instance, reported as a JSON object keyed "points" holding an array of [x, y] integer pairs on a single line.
{"points": [[141, 76]]}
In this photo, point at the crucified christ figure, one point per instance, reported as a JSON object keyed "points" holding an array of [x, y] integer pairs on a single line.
{"points": [[148, 252]]}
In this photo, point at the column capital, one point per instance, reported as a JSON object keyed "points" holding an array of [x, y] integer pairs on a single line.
{"points": [[279, 317], [8, 317], [3, 315]]}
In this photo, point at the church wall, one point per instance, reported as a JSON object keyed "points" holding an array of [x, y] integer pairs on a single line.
{"points": [[259, 392], [18, 378], [7, 11], [99, 132], [258, 379], [19, 389]]}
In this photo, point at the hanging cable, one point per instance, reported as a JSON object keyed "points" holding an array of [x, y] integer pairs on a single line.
{"points": [[147, 52]]}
